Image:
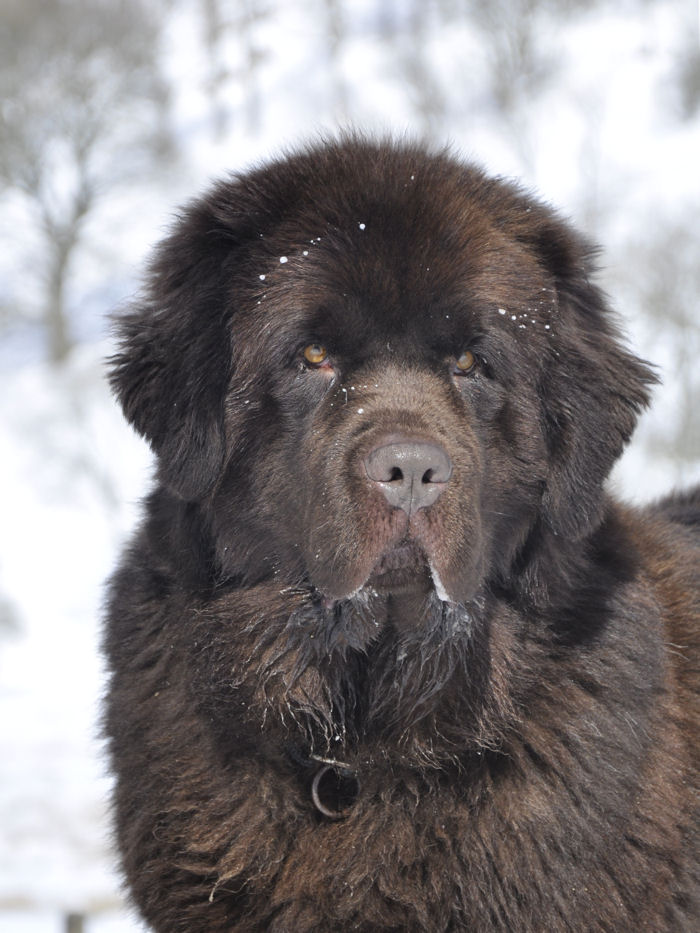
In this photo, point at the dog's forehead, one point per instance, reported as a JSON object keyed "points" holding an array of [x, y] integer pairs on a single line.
{"points": [[391, 263]]}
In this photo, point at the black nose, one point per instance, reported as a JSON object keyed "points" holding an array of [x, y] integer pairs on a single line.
{"points": [[411, 474]]}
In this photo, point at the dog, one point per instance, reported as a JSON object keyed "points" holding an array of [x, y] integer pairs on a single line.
{"points": [[384, 654]]}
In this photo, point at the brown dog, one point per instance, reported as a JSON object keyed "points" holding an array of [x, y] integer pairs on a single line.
{"points": [[384, 654]]}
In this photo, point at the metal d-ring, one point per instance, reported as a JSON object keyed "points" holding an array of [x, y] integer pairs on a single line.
{"points": [[343, 772]]}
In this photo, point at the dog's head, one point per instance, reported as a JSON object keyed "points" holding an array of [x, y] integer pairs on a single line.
{"points": [[377, 368]]}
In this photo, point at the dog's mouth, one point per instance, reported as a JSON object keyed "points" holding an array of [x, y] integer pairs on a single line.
{"points": [[402, 570]]}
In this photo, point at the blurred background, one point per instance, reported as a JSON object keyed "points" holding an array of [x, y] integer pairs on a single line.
{"points": [[112, 112]]}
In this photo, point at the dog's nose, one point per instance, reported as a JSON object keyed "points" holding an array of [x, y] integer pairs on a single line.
{"points": [[410, 474]]}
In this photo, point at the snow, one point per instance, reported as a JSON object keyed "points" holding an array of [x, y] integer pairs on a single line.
{"points": [[439, 588], [48, 921], [61, 529], [601, 143]]}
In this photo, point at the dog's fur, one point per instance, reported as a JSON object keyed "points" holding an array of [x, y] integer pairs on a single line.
{"points": [[500, 685]]}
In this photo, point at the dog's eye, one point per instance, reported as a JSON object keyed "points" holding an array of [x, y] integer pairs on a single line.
{"points": [[466, 362], [315, 354]]}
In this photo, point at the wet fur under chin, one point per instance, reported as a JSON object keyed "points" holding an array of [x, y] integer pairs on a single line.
{"points": [[345, 675]]}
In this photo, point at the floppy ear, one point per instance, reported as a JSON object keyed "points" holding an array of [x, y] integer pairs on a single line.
{"points": [[593, 389], [172, 366]]}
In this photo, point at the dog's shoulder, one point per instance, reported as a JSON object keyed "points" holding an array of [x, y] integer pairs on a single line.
{"points": [[667, 536]]}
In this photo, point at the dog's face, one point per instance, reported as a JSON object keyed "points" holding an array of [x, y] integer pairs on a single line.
{"points": [[378, 370], [392, 396]]}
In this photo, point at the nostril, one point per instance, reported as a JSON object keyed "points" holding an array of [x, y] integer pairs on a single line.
{"points": [[411, 474]]}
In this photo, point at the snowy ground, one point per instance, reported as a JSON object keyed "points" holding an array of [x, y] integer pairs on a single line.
{"points": [[49, 921], [70, 474]]}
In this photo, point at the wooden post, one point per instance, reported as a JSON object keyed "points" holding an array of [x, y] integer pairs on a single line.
{"points": [[75, 923]]}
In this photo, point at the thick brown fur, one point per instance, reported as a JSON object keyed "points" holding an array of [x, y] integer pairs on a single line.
{"points": [[501, 685]]}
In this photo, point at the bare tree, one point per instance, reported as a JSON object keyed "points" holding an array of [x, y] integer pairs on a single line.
{"points": [[685, 77], [668, 293], [223, 21], [9, 617], [335, 26], [520, 39], [426, 93], [215, 28], [82, 109]]}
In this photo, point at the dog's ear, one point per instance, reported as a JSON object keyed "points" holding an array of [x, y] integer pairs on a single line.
{"points": [[593, 389], [172, 366]]}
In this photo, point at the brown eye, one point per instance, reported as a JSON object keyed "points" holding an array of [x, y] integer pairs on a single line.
{"points": [[315, 354], [466, 362]]}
